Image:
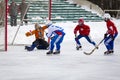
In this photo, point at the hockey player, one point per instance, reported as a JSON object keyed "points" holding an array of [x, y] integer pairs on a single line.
{"points": [[110, 35], [56, 34], [40, 42], [84, 31]]}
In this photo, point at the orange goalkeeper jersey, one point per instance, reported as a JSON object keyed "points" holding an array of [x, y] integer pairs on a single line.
{"points": [[39, 34]]}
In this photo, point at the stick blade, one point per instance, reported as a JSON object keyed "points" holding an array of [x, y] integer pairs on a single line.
{"points": [[87, 53]]}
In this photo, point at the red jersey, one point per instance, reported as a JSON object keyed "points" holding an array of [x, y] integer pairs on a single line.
{"points": [[83, 30], [111, 28]]}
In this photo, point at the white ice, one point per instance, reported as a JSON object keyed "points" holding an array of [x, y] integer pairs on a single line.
{"points": [[19, 64]]}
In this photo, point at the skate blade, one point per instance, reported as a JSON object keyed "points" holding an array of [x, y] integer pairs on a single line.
{"points": [[49, 54], [80, 49], [109, 54]]}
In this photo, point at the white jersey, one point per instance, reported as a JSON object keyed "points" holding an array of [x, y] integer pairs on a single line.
{"points": [[52, 30]]}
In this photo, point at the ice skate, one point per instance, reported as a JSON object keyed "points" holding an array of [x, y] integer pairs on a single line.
{"points": [[108, 52], [79, 48], [56, 52], [49, 52], [28, 48]]}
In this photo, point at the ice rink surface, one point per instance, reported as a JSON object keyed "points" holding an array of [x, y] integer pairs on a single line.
{"points": [[19, 64]]}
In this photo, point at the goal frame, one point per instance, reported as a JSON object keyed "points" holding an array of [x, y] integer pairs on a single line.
{"points": [[4, 24], [6, 11]]}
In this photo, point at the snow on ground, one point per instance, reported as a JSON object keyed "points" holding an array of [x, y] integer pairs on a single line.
{"points": [[18, 64]]}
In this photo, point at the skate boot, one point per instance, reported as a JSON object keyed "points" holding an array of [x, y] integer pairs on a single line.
{"points": [[29, 48], [49, 52], [111, 51], [78, 47], [26, 47], [108, 52], [56, 52]]}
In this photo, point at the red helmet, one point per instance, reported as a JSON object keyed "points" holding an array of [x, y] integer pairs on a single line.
{"points": [[81, 21]]}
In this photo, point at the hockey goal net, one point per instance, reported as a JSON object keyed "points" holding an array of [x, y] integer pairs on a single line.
{"points": [[114, 13], [3, 27]]}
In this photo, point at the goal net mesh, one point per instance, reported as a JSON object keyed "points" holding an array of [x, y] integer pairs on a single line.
{"points": [[37, 12]]}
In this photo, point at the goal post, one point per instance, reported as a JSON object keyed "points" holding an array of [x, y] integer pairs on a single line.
{"points": [[3, 25], [6, 11], [50, 7]]}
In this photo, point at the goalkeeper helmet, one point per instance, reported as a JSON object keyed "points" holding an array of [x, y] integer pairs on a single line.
{"points": [[37, 26]]}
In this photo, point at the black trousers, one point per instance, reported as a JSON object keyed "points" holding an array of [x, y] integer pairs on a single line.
{"points": [[41, 44], [13, 20], [25, 17]]}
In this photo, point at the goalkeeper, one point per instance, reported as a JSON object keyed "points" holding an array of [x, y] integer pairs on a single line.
{"points": [[40, 42]]}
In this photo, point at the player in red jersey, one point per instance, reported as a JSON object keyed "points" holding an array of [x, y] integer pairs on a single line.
{"points": [[110, 35], [84, 31]]}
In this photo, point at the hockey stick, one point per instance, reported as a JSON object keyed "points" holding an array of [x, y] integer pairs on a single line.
{"points": [[94, 48], [20, 23]]}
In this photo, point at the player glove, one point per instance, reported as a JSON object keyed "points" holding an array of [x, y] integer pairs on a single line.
{"points": [[105, 35], [28, 34]]}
